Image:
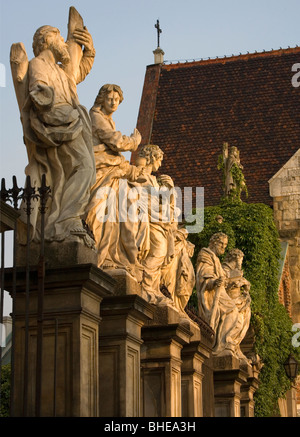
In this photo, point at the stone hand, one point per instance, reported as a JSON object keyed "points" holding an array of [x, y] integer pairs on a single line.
{"points": [[219, 282], [137, 136], [83, 37], [42, 96], [166, 180]]}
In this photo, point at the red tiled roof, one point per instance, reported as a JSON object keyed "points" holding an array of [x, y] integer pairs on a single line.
{"points": [[191, 109]]}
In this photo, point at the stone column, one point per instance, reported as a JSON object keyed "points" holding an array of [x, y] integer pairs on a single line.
{"points": [[228, 378], [162, 364], [193, 356], [119, 352], [71, 317], [247, 393]]}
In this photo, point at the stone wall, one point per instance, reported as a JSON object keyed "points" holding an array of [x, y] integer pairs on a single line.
{"points": [[285, 190]]}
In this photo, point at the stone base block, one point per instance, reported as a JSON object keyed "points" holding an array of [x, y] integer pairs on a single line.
{"points": [[161, 368], [57, 254], [119, 354], [229, 376], [125, 283], [66, 337]]}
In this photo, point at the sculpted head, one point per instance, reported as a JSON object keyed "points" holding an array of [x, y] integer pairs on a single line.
{"points": [[152, 155], [218, 243], [49, 38], [109, 97], [235, 256], [234, 152]]}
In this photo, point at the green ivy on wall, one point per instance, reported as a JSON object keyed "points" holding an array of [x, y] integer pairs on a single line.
{"points": [[238, 179], [251, 228], [5, 391]]}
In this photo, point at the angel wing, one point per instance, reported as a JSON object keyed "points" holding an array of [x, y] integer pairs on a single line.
{"points": [[19, 68]]}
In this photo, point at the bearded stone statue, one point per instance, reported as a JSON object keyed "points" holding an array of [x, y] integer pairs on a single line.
{"points": [[223, 296], [57, 130]]}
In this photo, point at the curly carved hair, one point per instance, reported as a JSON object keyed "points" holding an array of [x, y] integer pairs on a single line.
{"points": [[233, 254], [40, 42], [150, 152], [217, 237], [106, 89]]}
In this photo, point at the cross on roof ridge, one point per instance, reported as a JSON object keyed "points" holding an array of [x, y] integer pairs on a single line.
{"points": [[159, 31]]}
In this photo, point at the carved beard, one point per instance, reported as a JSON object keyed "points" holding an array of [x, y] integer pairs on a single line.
{"points": [[60, 52]]}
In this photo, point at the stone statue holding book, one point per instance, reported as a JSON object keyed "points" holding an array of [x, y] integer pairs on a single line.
{"points": [[223, 296], [57, 130]]}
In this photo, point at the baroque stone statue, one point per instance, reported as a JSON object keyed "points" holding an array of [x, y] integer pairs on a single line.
{"points": [[157, 244], [178, 275], [234, 180], [132, 229], [166, 253], [56, 128], [223, 296], [238, 288], [115, 241]]}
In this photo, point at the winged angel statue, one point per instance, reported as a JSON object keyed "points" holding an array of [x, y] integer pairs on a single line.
{"points": [[56, 128]]}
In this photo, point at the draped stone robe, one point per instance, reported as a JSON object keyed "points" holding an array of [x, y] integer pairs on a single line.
{"points": [[226, 323], [115, 239], [57, 134]]}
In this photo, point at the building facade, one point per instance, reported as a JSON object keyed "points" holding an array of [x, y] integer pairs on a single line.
{"points": [[250, 101]]}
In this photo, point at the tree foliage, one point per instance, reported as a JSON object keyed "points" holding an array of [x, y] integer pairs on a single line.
{"points": [[5, 391], [250, 227]]}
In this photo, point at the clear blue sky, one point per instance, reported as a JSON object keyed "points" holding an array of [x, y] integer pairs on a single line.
{"points": [[125, 37]]}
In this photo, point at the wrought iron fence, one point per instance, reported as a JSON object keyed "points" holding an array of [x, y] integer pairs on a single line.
{"points": [[22, 199]]}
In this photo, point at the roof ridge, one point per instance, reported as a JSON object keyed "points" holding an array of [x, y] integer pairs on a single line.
{"points": [[233, 57]]}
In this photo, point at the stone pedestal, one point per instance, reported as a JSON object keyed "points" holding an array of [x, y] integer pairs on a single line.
{"points": [[119, 353], [58, 254], [247, 391], [70, 333], [228, 379], [193, 356], [208, 388], [161, 363], [158, 56], [291, 401]]}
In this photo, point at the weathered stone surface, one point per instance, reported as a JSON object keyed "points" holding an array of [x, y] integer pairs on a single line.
{"points": [[8, 217], [223, 296], [119, 352], [70, 340], [126, 283], [229, 377], [56, 127], [285, 190], [57, 254]]}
